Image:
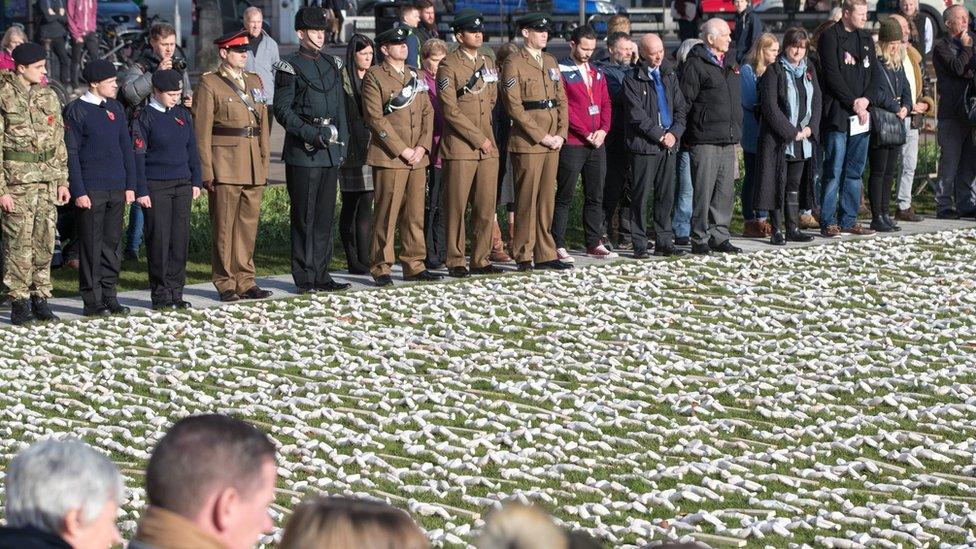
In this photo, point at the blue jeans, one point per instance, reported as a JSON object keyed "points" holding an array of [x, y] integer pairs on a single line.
{"points": [[844, 159], [133, 234], [749, 188], [681, 220]]}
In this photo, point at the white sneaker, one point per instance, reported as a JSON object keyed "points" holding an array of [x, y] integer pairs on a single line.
{"points": [[563, 255], [601, 252]]}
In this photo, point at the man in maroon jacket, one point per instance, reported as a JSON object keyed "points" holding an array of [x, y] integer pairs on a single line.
{"points": [[589, 121]]}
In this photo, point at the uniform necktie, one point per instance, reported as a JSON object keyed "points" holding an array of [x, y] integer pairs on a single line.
{"points": [[664, 111]]}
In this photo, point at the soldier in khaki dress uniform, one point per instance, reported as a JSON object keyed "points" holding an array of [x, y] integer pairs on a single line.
{"points": [[536, 101], [232, 127], [398, 112], [467, 86]]}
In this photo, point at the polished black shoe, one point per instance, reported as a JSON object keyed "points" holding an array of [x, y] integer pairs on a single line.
{"points": [[114, 307], [878, 224], [701, 249], [20, 312], [488, 269], [95, 311], [332, 286], [726, 248], [181, 304], [891, 222], [42, 311], [947, 214], [682, 240], [255, 292], [458, 272], [668, 251], [523, 266], [796, 235], [554, 265], [423, 276], [383, 280], [229, 296], [777, 238], [641, 254]]}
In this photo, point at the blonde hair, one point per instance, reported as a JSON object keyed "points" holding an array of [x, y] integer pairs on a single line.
{"points": [[433, 47], [345, 523], [13, 32], [756, 57], [618, 23], [893, 62], [517, 526]]}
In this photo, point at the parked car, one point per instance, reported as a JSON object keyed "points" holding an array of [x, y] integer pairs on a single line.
{"points": [[124, 14]]}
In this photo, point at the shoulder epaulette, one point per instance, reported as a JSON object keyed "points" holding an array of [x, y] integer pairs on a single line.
{"points": [[284, 66]]}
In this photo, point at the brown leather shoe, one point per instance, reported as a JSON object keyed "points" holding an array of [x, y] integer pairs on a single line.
{"points": [[73, 264], [753, 229], [765, 226], [500, 256], [858, 230], [908, 214], [807, 221], [830, 231]]}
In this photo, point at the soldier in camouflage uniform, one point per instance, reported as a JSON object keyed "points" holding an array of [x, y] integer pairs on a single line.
{"points": [[34, 179]]}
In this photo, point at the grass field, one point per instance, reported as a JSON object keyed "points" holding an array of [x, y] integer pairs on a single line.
{"points": [[822, 396]]}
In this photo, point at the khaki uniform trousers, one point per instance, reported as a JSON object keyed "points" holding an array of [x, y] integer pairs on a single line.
{"points": [[399, 201], [474, 181], [28, 240], [234, 214], [534, 175]]}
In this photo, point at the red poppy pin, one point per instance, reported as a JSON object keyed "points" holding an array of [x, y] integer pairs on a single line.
{"points": [[140, 143], [50, 120], [180, 121], [111, 115], [809, 76], [735, 69]]}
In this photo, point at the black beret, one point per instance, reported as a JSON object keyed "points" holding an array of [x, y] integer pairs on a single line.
{"points": [[236, 41], [98, 70], [311, 18], [396, 35], [469, 19], [28, 53], [537, 21], [167, 80]]}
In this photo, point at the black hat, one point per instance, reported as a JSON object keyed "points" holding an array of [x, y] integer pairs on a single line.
{"points": [[538, 21], [167, 80], [28, 53], [469, 20], [236, 41], [396, 35], [98, 70], [311, 18]]}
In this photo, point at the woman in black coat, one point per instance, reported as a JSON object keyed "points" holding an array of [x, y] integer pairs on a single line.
{"points": [[789, 127], [891, 93]]}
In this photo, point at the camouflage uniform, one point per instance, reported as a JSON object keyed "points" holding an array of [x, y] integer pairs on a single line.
{"points": [[35, 164]]}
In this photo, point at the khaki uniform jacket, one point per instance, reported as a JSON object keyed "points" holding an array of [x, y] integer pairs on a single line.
{"points": [[30, 122], [229, 159], [401, 129], [524, 80], [467, 119]]}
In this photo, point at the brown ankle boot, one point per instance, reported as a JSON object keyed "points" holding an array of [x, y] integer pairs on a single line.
{"points": [[498, 254]]}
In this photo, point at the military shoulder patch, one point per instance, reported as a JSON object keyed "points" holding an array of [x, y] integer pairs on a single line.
{"points": [[338, 62], [443, 83], [284, 66], [510, 83]]}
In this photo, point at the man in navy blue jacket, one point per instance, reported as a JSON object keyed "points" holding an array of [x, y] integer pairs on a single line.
{"points": [[102, 180]]}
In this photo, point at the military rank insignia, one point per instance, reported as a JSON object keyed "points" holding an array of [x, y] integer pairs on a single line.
{"points": [[510, 83], [443, 83]]}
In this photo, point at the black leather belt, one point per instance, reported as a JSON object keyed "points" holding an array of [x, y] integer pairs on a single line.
{"points": [[237, 132], [544, 104]]}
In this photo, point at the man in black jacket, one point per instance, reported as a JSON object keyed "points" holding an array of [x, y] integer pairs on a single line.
{"points": [[654, 110], [748, 27], [954, 59], [710, 84], [51, 34], [846, 55], [616, 185]]}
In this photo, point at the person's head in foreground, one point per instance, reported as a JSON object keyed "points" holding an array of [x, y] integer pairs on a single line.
{"points": [[61, 492], [345, 523], [517, 526], [209, 483]]}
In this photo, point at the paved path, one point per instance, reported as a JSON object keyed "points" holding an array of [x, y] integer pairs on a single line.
{"points": [[204, 295]]}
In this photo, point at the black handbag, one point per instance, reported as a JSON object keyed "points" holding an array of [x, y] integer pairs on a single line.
{"points": [[887, 130]]}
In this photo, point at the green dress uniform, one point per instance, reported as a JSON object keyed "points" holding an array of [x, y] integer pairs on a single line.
{"points": [[35, 164], [309, 102]]}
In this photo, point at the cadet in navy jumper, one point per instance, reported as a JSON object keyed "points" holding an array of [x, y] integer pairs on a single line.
{"points": [[102, 179], [167, 181]]}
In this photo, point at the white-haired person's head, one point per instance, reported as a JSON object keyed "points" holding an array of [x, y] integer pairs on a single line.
{"points": [[67, 489], [517, 526]]}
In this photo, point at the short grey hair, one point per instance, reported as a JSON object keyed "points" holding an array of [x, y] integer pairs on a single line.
{"points": [[251, 10], [52, 477], [711, 27]]}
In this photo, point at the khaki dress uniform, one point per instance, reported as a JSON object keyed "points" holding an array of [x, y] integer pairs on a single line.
{"points": [[536, 102], [399, 187], [468, 91], [234, 145]]}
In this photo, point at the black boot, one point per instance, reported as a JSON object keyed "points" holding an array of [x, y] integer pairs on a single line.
{"points": [[20, 312], [793, 232], [42, 311], [878, 224], [891, 222], [776, 220]]}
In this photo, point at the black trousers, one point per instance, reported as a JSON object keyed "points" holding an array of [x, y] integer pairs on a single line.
{"points": [[883, 162], [788, 197], [617, 192], [168, 238], [100, 246], [313, 198], [592, 163], [654, 179], [435, 231], [90, 43], [355, 222], [58, 47]]}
